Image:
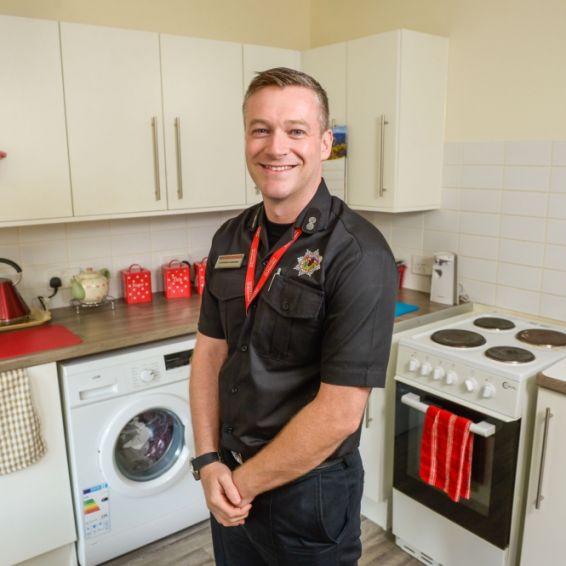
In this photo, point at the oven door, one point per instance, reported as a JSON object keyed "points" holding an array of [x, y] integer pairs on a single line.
{"points": [[488, 511]]}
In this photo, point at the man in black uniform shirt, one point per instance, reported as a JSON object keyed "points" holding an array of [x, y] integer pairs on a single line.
{"points": [[295, 328]]}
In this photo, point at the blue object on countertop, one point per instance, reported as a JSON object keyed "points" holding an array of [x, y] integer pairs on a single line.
{"points": [[404, 308]]}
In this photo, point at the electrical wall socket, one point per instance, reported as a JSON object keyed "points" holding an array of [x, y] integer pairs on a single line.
{"points": [[64, 274], [421, 265]]}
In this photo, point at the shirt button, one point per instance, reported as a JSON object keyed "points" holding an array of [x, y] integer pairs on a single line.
{"points": [[234, 390], [285, 306], [244, 347], [228, 429]]}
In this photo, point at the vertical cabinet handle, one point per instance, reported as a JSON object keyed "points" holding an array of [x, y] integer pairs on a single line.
{"points": [[382, 123], [547, 416], [178, 153], [156, 158]]}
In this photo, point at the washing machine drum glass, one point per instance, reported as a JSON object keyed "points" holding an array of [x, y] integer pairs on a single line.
{"points": [[149, 444]]}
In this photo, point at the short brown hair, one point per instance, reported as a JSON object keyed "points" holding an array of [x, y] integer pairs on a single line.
{"points": [[282, 77]]}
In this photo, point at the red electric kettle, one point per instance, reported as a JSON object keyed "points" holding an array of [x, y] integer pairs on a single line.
{"points": [[12, 307]]}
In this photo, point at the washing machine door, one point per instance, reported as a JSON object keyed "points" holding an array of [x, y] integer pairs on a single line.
{"points": [[145, 447]]}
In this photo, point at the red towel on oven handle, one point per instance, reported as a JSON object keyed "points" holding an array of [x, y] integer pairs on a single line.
{"points": [[446, 453]]}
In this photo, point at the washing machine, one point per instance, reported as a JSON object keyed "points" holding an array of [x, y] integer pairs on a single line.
{"points": [[129, 443]]}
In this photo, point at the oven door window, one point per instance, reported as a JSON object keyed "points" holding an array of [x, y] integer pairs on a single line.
{"points": [[149, 444], [488, 511]]}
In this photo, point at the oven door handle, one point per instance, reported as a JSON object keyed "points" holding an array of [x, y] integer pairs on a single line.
{"points": [[482, 428]]}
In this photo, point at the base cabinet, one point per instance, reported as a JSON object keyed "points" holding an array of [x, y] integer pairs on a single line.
{"points": [[37, 511], [396, 85], [34, 177], [543, 533]]}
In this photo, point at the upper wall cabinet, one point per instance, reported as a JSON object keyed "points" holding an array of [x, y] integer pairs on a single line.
{"points": [[396, 84], [113, 100], [258, 58], [327, 65], [34, 177], [202, 97]]}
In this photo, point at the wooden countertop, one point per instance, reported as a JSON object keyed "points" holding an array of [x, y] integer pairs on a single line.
{"points": [[554, 377], [104, 329]]}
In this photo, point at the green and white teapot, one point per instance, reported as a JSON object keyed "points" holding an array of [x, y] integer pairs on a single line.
{"points": [[90, 287]]}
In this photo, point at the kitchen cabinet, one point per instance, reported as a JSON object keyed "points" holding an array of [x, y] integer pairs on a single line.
{"points": [[546, 500], [113, 104], [37, 518], [204, 139], [34, 177], [260, 58], [327, 64], [396, 90]]}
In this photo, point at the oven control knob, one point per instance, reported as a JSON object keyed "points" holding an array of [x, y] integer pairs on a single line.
{"points": [[438, 373], [414, 364], [147, 375], [451, 377], [488, 391], [470, 384], [426, 368]]}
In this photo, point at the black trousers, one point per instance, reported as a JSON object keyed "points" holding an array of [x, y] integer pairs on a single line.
{"points": [[312, 521]]}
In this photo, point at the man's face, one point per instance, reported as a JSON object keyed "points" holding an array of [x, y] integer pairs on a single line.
{"points": [[284, 143]]}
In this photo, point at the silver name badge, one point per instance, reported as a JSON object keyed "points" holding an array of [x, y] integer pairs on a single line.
{"points": [[230, 261]]}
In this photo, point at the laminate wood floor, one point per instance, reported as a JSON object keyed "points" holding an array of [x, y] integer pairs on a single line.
{"points": [[193, 547]]}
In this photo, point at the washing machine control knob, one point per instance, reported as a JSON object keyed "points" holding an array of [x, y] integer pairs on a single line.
{"points": [[147, 375]]}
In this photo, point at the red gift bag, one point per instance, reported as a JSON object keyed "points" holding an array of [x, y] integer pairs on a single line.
{"points": [[176, 279], [200, 270], [136, 284]]}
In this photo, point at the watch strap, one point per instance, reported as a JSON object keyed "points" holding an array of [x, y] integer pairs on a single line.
{"points": [[203, 460]]}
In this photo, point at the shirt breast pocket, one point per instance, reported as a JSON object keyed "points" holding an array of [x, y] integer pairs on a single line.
{"points": [[289, 322], [228, 287]]}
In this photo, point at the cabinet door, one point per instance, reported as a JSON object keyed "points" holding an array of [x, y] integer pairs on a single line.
{"points": [[37, 509], [34, 177], [372, 84], [327, 65], [544, 527], [113, 100], [396, 99], [202, 98], [259, 58]]}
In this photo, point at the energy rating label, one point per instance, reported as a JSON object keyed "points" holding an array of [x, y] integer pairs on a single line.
{"points": [[96, 510]]}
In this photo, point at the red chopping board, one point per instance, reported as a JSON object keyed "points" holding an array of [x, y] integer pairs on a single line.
{"points": [[31, 340]]}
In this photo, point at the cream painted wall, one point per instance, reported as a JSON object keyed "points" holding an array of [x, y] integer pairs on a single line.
{"points": [[263, 22], [506, 77]]}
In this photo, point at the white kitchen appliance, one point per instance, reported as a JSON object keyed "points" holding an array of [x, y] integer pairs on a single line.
{"points": [[444, 283], [129, 441], [482, 367]]}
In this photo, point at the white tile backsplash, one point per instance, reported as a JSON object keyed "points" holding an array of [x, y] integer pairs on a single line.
{"points": [[519, 276], [479, 224], [528, 152], [482, 177], [522, 228], [45, 251], [504, 213], [522, 253], [522, 203], [558, 179], [480, 200], [553, 306], [559, 153], [526, 178], [484, 153]]}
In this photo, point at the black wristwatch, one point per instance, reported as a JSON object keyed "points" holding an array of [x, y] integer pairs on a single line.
{"points": [[203, 460]]}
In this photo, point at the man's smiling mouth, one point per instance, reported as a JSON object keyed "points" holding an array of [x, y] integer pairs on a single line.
{"points": [[277, 168]]}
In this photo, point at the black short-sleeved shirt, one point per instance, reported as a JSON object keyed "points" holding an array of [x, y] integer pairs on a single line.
{"points": [[324, 315]]}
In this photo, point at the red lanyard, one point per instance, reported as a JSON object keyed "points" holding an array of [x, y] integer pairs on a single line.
{"points": [[250, 292]]}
